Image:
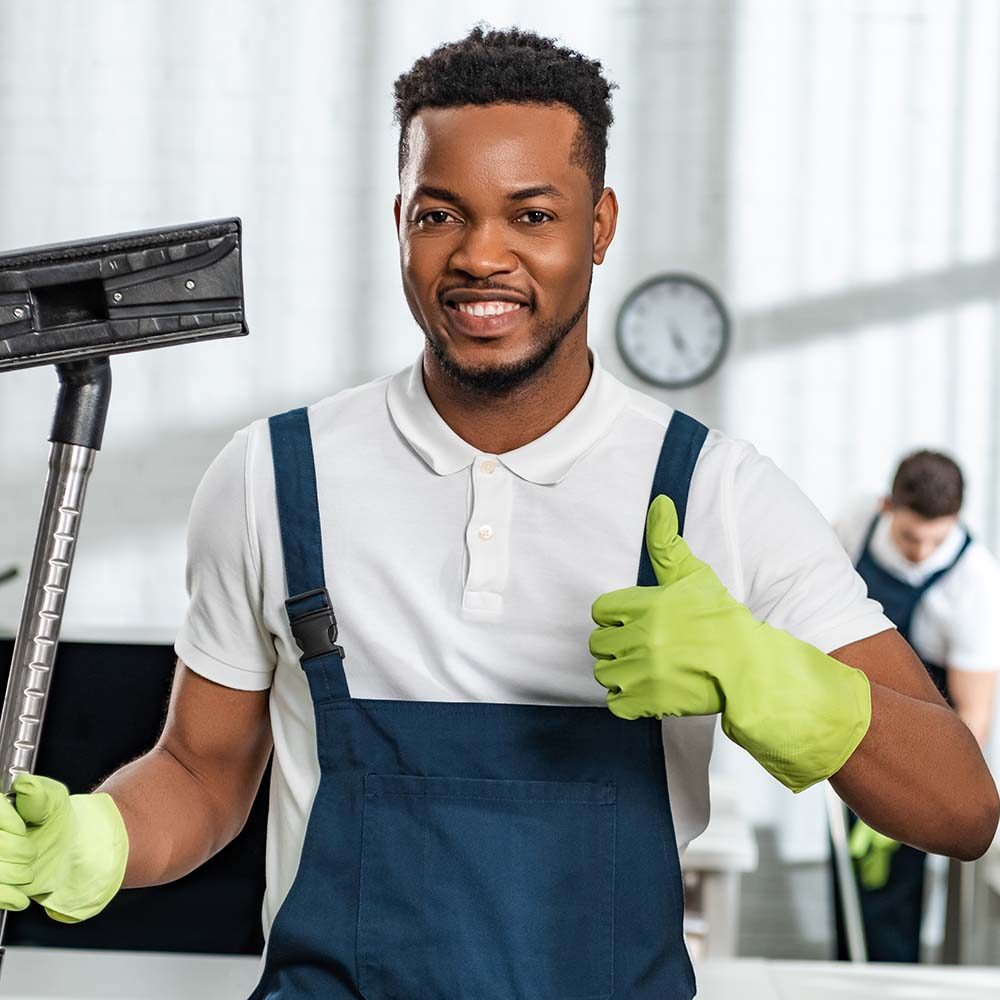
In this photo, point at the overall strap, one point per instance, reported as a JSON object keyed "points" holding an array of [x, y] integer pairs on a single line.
{"points": [[308, 606], [865, 549], [679, 452]]}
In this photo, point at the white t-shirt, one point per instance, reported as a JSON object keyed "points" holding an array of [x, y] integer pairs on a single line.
{"points": [[956, 624], [461, 576]]}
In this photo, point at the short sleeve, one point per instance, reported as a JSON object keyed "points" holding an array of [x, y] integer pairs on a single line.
{"points": [[973, 628], [852, 524], [796, 573], [223, 636]]}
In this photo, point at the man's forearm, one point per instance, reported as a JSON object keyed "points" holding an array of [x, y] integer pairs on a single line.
{"points": [[977, 718], [972, 692], [173, 824], [919, 777]]}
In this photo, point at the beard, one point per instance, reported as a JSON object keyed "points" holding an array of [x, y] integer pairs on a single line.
{"points": [[503, 378]]}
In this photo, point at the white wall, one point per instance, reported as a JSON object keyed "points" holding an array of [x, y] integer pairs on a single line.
{"points": [[830, 165]]}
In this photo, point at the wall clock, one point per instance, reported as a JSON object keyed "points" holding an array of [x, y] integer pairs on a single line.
{"points": [[673, 330]]}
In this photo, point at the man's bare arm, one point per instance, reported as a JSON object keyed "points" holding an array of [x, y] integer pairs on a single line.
{"points": [[190, 795], [918, 775], [972, 692]]}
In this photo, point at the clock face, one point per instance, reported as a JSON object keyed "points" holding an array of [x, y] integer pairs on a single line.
{"points": [[673, 330]]}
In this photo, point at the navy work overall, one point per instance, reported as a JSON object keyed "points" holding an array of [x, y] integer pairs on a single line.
{"points": [[892, 914], [472, 851]]}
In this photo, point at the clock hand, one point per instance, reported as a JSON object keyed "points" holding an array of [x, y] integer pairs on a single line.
{"points": [[678, 341]]}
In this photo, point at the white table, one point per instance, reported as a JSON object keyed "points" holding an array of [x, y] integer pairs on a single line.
{"points": [[71, 974], [81, 974], [760, 979]]}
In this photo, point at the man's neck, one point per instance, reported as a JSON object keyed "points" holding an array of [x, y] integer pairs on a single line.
{"points": [[497, 424]]}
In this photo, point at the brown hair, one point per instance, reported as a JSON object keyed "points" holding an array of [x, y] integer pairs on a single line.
{"points": [[929, 483]]}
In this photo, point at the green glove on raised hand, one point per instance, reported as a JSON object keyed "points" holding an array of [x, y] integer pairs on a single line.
{"points": [[686, 647], [67, 852], [873, 853]]}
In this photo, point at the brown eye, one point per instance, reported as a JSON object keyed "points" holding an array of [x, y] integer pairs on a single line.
{"points": [[435, 217], [538, 216]]}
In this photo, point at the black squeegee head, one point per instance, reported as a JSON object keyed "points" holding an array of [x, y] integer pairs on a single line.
{"points": [[113, 294]]}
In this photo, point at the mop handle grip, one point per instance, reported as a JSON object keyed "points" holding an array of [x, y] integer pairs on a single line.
{"points": [[41, 615]]}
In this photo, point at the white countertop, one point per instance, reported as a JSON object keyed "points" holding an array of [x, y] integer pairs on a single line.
{"points": [[760, 979], [82, 974], [65, 974]]}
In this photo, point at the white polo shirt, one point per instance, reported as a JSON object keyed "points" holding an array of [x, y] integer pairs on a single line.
{"points": [[956, 623], [462, 576]]}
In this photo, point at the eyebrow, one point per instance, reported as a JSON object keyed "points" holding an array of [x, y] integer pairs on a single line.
{"points": [[522, 194]]}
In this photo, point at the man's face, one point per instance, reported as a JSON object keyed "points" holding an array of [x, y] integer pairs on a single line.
{"points": [[917, 537], [493, 217]]}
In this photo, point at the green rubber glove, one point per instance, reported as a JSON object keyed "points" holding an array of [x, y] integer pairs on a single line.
{"points": [[17, 854], [686, 647], [80, 847], [873, 853]]}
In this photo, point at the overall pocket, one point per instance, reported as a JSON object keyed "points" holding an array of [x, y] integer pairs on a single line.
{"points": [[486, 889]]}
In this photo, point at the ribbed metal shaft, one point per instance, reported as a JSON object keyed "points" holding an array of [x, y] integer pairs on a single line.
{"points": [[41, 615]]}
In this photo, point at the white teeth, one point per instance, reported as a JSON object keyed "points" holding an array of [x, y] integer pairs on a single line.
{"points": [[487, 308]]}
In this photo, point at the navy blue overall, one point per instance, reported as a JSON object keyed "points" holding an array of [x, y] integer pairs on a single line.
{"points": [[892, 914], [472, 851]]}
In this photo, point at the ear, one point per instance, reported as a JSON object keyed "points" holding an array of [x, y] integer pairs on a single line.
{"points": [[395, 211], [605, 222], [886, 505]]}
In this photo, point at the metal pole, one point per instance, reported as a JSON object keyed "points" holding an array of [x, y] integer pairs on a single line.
{"points": [[41, 615], [77, 432], [849, 900], [959, 909]]}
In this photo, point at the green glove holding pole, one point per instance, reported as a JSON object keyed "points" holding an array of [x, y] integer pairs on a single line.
{"points": [[66, 852], [872, 852], [686, 647]]}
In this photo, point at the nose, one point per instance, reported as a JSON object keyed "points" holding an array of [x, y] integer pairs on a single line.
{"points": [[483, 251]]}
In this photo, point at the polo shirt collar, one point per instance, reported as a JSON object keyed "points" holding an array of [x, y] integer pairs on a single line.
{"points": [[885, 552], [545, 461]]}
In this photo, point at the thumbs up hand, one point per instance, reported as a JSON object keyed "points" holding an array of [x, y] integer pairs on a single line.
{"points": [[687, 647], [654, 644]]}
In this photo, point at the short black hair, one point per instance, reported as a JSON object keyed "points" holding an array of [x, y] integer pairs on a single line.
{"points": [[929, 483], [517, 67]]}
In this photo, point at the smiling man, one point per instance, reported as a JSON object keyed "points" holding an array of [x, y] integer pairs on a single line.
{"points": [[475, 792], [504, 316]]}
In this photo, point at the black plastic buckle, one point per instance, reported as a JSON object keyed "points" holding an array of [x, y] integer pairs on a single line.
{"points": [[315, 631]]}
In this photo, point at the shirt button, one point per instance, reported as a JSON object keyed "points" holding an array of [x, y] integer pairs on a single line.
{"points": [[485, 532], [488, 466]]}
